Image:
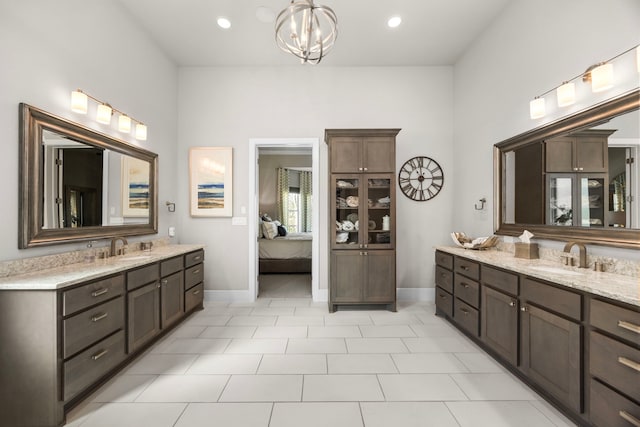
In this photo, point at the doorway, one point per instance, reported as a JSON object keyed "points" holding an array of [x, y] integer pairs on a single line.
{"points": [[292, 279]]}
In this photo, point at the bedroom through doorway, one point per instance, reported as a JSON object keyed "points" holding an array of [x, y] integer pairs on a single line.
{"points": [[284, 208]]}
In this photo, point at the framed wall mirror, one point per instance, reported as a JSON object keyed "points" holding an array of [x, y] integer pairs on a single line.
{"points": [[574, 179], [78, 184]]}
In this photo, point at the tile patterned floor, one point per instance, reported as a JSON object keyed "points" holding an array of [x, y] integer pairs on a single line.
{"points": [[288, 362]]}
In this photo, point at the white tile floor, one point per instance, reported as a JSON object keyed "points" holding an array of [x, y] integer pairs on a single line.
{"points": [[288, 362]]}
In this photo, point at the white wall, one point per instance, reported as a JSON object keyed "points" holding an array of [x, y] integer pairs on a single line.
{"points": [[531, 48], [226, 106], [48, 49]]}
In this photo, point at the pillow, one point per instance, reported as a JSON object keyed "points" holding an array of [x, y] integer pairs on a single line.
{"points": [[282, 231], [260, 233], [266, 218], [270, 230]]}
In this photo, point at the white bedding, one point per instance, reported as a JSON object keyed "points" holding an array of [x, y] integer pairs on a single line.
{"points": [[293, 245]]}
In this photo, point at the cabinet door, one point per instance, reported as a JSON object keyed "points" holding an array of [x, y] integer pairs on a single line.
{"points": [[144, 315], [559, 154], [379, 154], [346, 154], [499, 323], [551, 354], [591, 154], [347, 217], [380, 279], [171, 299], [347, 276], [380, 215]]}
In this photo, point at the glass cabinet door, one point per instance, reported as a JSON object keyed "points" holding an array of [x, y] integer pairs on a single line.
{"points": [[347, 212], [592, 201], [379, 221], [560, 200]]}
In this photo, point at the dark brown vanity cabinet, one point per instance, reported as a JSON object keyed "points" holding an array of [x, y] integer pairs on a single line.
{"points": [[614, 364], [143, 302], [444, 283], [499, 314], [551, 341], [193, 280], [171, 291], [466, 295]]}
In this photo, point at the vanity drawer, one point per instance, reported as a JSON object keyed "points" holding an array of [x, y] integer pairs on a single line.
{"points": [[618, 321], [615, 363], [92, 325], [193, 297], [171, 266], [444, 301], [193, 276], [92, 364], [142, 276], [444, 278], [444, 260], [563, 302], [467, 268], [609, 409], [193, 258], [466, 316], [90, 294], [467, 290], [507, 282]]}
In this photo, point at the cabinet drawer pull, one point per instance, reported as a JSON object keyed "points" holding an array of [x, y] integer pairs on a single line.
{"points": [[464, 311], [196, 292], [443, 296], [629, 363], [158, 285], [512, 303], [464, 285], [196, 258], [523, 308], [196, 271], [99, 354], [99, 292], [630, 418], [99, 317], [629, 326], [443, 275], [464, 267], [165, 281]]}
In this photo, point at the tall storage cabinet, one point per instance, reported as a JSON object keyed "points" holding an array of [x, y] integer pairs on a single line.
{"points": [[362, 217]]}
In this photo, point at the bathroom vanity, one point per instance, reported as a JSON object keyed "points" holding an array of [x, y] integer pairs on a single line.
{"points": [[572, 334], [66, 330]]}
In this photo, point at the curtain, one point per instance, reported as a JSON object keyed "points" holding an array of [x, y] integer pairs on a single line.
{"points": [[305, 200], [282, 195]]}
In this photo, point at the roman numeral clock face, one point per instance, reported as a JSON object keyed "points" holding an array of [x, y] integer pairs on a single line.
{"points": [[421, 178]]}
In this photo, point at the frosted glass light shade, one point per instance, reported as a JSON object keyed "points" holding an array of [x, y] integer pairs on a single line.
{"points": [[124, 123], [566, 94], [141, 132], [602, 78], [79, 102], [537, 108], [104, 114]]}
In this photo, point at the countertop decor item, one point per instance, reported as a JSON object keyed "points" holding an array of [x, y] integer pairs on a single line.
{"points": [[462, 240], [421, 178]]}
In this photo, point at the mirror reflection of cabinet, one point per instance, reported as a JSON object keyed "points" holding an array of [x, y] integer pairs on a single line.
{"points": [[584, 151], [576, 199]]}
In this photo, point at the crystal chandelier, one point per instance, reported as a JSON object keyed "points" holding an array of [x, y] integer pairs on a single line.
{"points": [[306, 30]]}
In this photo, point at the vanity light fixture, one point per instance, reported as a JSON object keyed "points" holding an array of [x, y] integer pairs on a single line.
{"points": [[104, 112], [566, 94], [599, 75], [306, 30]]}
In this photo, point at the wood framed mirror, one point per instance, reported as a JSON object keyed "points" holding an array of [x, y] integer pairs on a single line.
{"points": [[79, 184], [577, 178]]}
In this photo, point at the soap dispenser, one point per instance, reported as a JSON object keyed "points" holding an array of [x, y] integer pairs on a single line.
{"points": [[90, 253]]}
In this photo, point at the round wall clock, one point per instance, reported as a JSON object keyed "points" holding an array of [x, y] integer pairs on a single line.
{"points": [[421, 178]]}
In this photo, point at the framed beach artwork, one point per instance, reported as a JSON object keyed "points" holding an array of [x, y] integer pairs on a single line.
{"points": [[210, 181], [135, 187]]}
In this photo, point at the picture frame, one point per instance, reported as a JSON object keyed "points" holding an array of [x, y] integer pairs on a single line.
{"points": [[211, 181], [135, 187]]}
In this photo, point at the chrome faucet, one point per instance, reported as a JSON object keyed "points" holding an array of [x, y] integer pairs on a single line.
{"points": [[114, 242], [583, 252]]}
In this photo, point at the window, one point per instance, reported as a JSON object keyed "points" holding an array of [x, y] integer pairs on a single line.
{"points": [[293, 210]]}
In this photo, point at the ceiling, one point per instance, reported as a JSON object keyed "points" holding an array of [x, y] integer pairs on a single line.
{"points": [[433, 32]]}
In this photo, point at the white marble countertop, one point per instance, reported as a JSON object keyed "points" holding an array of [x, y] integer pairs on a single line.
{"points": [[615, 286], [72, 274]]}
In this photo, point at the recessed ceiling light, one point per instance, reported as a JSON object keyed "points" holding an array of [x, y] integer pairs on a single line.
{"points": [[394, 21], [224, 22], [266, 15]]}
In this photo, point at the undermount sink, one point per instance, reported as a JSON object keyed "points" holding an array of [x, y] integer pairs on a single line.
{"points": [[556, 270], [133, 258]]}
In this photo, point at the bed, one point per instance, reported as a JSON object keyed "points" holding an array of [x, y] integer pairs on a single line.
{"points": [[285, 254]]}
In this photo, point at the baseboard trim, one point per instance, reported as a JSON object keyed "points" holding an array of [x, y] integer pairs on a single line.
{"points": [[322, 295], [228, 296], [416, 294]]}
